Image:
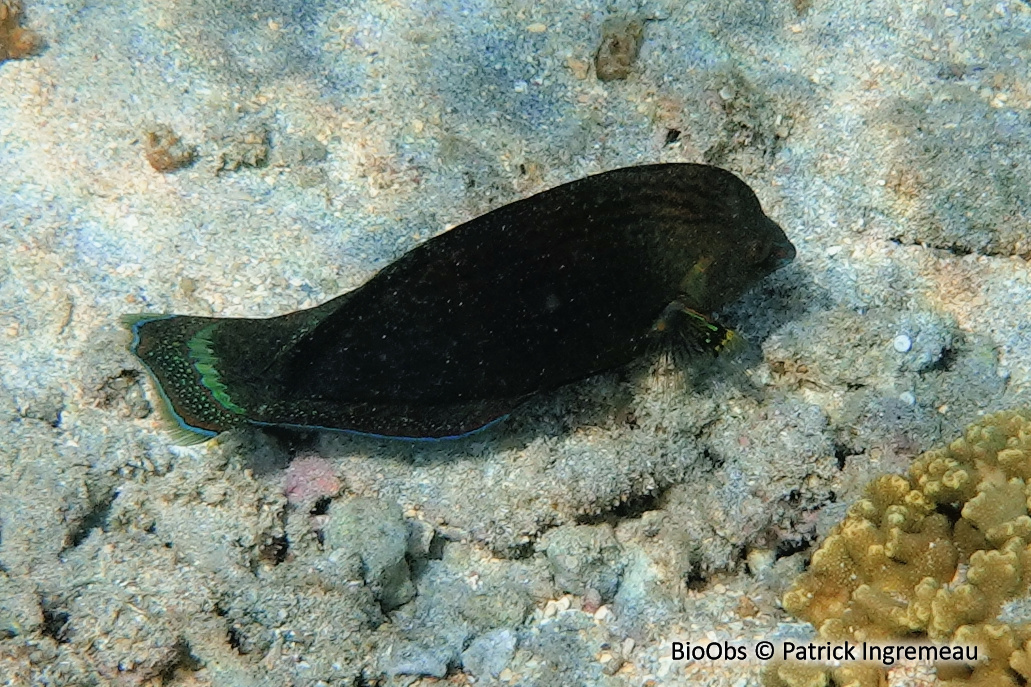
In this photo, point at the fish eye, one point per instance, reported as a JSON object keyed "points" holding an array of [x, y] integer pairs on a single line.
{"points": [[756, 251]]}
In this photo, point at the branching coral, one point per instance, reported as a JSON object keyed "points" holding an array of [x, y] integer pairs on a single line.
{"points": [[15, 41], [934, 554]]}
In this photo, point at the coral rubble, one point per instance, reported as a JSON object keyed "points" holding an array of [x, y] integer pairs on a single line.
{"points": [[935, 554], [15, 41], [165, 151], [243, 148], [620, 45]]}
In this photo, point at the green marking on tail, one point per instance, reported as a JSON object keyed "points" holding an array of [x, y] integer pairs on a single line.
{"points": [[177, 361], [204, 361]]}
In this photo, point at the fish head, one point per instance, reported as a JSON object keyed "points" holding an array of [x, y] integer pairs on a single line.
{"points": [[738, 251]]}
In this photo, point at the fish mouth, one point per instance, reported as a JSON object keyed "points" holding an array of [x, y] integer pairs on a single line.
{"points": [[783, 253]]}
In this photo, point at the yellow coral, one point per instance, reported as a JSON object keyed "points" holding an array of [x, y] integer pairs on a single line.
{"points": [[1020, 661], [858, 676], [797, 676], [997, 507], [935, 553]]}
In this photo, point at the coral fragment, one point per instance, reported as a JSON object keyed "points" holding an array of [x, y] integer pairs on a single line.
{"points": [[165, 151], [15, 42]]}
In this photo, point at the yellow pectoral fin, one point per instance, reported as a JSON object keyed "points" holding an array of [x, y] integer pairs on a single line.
{"points": [[700, 329], [713, 335]]}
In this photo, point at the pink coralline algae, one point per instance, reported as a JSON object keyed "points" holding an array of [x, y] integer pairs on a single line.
{"points": [[309, 478]]}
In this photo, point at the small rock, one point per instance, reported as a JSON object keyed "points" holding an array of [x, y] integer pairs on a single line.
{"points": [[620, 45], [298, 151], [585, 557], [247, 148], [640, 599], [760, 560], [902, 343], [376, 533], [580, 68], [746, 608], [610, 663], [165, 151], [490, 653], [46, 406], [420, 538], [591, 601], [503, 604], [15, 42], [415, 659]]}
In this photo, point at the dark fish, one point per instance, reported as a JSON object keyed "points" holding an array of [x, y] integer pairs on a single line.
{"points": [[463, 328]]}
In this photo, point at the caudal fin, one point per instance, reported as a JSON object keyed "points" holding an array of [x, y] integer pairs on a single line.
{"points": [[178, 351]]}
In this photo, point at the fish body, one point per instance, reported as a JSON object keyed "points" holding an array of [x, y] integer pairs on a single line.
{"points": [[463, 328]]}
